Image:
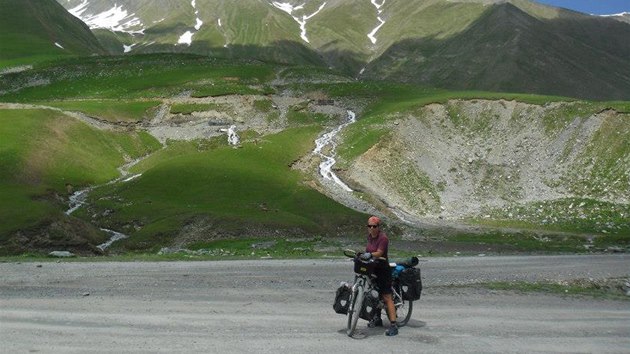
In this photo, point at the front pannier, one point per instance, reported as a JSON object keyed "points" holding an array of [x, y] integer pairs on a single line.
{"points": [[411, 283], [370, 305], [342, 299]]}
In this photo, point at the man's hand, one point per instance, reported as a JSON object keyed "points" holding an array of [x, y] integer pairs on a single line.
{"points": [[365, 256]]}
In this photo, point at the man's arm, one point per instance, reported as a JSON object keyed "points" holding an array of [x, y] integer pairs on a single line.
{"points": [[380, 251]]}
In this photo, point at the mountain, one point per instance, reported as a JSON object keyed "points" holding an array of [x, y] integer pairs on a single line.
{"points": [[497, 45], [37, 29], [96, 145], [624, 17], [508, 50]]}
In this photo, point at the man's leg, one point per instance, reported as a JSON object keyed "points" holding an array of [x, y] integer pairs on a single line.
{"points": [[391, 314]]}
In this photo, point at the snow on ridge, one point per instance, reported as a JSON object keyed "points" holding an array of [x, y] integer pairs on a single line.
{"points": [[115, 19], [198, 21], [625, 13], [288, 8], [78, 10], [186, 38], [372, 35]]}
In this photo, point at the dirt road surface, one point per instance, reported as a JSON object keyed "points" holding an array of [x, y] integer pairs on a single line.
{"points": [[278, 306]]}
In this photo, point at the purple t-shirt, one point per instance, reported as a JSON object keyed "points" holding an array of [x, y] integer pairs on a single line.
{"points": [[381, 242]]}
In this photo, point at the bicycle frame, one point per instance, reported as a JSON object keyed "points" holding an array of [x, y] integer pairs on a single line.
{"points": [[361, 288]]}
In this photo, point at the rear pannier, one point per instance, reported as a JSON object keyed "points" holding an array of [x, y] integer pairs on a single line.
{"points": [[411, 283]]}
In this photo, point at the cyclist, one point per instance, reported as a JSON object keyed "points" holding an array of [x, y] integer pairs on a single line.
{"points": [[377, 244]]}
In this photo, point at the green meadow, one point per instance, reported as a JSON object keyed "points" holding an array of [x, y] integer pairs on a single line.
{"points": [[234, 193], [45, 153], [198, 193]]}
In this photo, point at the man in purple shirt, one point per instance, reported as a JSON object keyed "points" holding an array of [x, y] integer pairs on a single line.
{"points": [[377, 248]]}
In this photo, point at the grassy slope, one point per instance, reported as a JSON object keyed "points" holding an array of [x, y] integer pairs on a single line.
{"points": [[245, 191], [506, 49], [238, 192], [132, 77], [43, 151], [29, 30], [250, 191], [116, 111]]}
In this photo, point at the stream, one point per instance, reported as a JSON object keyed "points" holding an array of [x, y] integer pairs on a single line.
{"points": [[328, 139], [325, 147], [79, 198]]}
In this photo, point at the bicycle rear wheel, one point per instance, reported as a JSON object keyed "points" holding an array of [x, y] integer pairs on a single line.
{"points": [[356, 303], [403, 313]]}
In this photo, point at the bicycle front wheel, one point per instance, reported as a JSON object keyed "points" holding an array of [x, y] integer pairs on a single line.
{"points": [[356, 303]]}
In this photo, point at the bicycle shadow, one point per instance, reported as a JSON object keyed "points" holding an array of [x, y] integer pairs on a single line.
{"points": [[366, 332]]}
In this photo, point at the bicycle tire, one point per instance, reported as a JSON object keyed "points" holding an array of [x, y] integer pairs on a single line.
{"points": [[356, 303], [403, 312]]}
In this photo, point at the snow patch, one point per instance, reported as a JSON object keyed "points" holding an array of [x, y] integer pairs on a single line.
{"points": [[59, 45], [115, 19], [186, 38], [199, 23], [372, 35], [288, 8], [617, 15]]}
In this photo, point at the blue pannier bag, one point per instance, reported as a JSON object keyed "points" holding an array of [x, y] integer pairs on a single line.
{"points": [[397, 270]]}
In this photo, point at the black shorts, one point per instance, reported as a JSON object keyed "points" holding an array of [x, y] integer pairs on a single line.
{"points": [[383, 277]]}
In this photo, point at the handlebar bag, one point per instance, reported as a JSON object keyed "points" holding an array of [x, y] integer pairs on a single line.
{"points": [[364, 267]]}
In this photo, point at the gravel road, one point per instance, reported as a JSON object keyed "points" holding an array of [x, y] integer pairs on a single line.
{"points": [[272, 306]]}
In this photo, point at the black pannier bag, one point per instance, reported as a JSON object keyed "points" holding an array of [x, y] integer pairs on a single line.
{"points": [[370, 306], [411, 283], [342, 299]]}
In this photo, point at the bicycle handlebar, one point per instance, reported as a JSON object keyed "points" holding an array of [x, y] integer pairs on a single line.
{"points": [[349, 253], [353, 254]]}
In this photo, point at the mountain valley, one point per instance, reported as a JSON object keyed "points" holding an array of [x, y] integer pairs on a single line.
{"points": [[499, 125]]}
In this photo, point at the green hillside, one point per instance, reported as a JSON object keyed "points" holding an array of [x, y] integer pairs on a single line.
{"points": [[224, 193], [243, 192], [36, 30], [45, 155], [508, 50], [507, 46], [141, 76]]}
